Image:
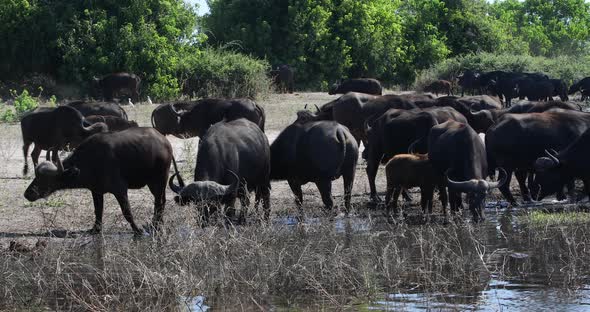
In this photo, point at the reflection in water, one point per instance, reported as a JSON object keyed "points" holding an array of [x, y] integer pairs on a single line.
{"points": [[500, 296], [193, 304]]}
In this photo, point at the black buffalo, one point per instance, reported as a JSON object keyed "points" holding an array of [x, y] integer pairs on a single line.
{"points": [[558, 169], [486, 118], [111, 163], [469, 81], [112, 84], [361, 85], [283, 78], [457, 151], [114, 124], [353, 109], [582, 86], [393, 133], [99, 109], [166, 117], [318, 152], [535, 90], [560, 89], [517, 140], [206, 112], [469, 107], [54, 129], [233, 160]]}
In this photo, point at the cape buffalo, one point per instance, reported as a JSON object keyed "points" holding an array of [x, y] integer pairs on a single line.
{"points": [[233, 160], [283, 78], [486, 118], [53, 130], [557, 169], [111, 163], [517, 140], [583, 86], [535, 90], [99, 109], [361, 85], [393, 133], [559, 89], [353, 109], [439, 86], [114, 83], [166, 117], [114, 124], [410, 170], [456, 150], [318, 152], [206, 112], [469, 80]]}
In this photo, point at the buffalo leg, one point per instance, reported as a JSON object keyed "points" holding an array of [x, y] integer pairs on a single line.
{"points": [[325, 188], [505, 189], [388, 197], [426, 198], [296, 189], [26, 146], [372, 167], [159, 192], [455, 201], [244, 202], [98, 200], [348, 178], [265, 194], [393, 204], [521, 176], [442, 196], [123, 201], [35, 155]]}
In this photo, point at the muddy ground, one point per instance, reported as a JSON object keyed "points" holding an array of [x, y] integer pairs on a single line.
{"points": [[72, 210]]}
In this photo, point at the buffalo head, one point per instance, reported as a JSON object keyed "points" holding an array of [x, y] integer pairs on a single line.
{"points": [[203, 191], [476, 190], [480, 121], [50, 178], [548, 177]]}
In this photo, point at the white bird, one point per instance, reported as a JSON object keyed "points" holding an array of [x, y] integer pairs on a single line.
{"points": [[130, 103], [149, 100]]}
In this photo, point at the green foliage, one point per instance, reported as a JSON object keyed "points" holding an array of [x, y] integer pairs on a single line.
{"points": [[539, 219], [394, 40], [219, 73], [568, 68], [24, 102]]}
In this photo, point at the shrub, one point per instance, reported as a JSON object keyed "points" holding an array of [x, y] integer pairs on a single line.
{"points": [[568, 68], [23, 102], [223, 73]]}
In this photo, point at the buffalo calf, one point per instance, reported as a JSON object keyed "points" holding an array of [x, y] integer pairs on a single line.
{"points": [[411, 170]]}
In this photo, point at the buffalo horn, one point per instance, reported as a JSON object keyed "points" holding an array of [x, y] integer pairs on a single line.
{"points": [[317, 109], [413, 145], [464, 186], [552, 157], [493, 185], [174, 111], [231, 189], [47, 168]]}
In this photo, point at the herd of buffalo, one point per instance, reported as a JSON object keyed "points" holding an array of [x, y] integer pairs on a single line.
{"points": [[447, 142]]}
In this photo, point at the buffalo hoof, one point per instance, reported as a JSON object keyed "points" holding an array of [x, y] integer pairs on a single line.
{"points": [[95, 230]]}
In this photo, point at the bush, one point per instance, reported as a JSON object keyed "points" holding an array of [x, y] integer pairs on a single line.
{"points": [[568, 68], [222, 73]]}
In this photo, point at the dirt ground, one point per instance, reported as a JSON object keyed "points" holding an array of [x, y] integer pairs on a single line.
{"points": [[72, 210]]}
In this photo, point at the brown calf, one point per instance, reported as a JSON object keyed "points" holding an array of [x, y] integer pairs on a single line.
{"points": [[411, 170], [440, 86]]}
